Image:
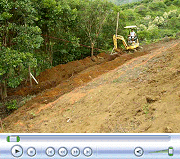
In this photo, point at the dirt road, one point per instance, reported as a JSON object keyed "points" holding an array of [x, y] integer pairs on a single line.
{"points": [[142, 95]]}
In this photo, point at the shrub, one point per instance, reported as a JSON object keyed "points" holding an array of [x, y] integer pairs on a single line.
{"points": [[11, 105], [172, 2], [157, 6], [142, 10], [178, 35]]}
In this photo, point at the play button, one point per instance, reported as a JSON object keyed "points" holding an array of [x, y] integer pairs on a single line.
{"points": [[17, 151]]}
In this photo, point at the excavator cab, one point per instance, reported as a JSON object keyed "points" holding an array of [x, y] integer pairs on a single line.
{"points": [[132, 36], [132, 39]]}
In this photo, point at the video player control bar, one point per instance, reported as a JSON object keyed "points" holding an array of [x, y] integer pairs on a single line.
{"points": [[96, 146]]}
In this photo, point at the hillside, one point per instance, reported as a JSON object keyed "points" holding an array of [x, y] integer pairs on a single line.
{"points": [[141, 95]]}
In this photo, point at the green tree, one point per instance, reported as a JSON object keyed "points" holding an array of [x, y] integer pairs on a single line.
{"points": [[141, 9], [19, 38], [48, 14], [156, 6], [67, 29], [93, 15], [172, 2]]}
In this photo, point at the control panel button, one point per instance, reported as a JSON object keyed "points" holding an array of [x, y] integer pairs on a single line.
{"points": [[63, 151], [50, 151], [138, 151], [75, 151], [31, 151], [87, 151], [17, 151]]}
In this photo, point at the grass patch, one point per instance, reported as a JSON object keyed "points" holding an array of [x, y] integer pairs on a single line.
{"points": [[118, 80], [25, 99], [146, 108]]}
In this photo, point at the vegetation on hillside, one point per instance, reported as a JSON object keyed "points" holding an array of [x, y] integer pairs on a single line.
{"points": [[120, 2], [38, 34]]}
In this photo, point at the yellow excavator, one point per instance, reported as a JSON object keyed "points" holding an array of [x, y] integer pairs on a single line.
{"points": [[132, 42]]}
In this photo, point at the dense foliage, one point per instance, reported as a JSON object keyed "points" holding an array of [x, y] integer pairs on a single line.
{"points": [[120, 2], [38, 34]]}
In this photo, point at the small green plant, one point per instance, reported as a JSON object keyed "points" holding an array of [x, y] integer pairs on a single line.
{"points": [[118, 80], [146, 108], [25, 99], [33, 114], [11, 105]]}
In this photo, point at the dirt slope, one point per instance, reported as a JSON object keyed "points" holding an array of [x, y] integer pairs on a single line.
{"points": [[142, 95]]}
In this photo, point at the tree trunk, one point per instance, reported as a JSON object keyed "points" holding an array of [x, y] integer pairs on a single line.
{"points": [[30, 76], [92, 49], [50, 53], [34, 71], [1, 97], [5, 35], [3, 89], [45, 43]]}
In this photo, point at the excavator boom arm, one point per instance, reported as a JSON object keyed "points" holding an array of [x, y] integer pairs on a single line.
{"points": [[120, 38]]}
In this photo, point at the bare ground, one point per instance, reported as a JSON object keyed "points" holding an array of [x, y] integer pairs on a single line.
{"points": [[132, 95]]}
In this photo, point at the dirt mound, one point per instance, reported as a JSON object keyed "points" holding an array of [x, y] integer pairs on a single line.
{"points": [[69, 76], [54, 76]]}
